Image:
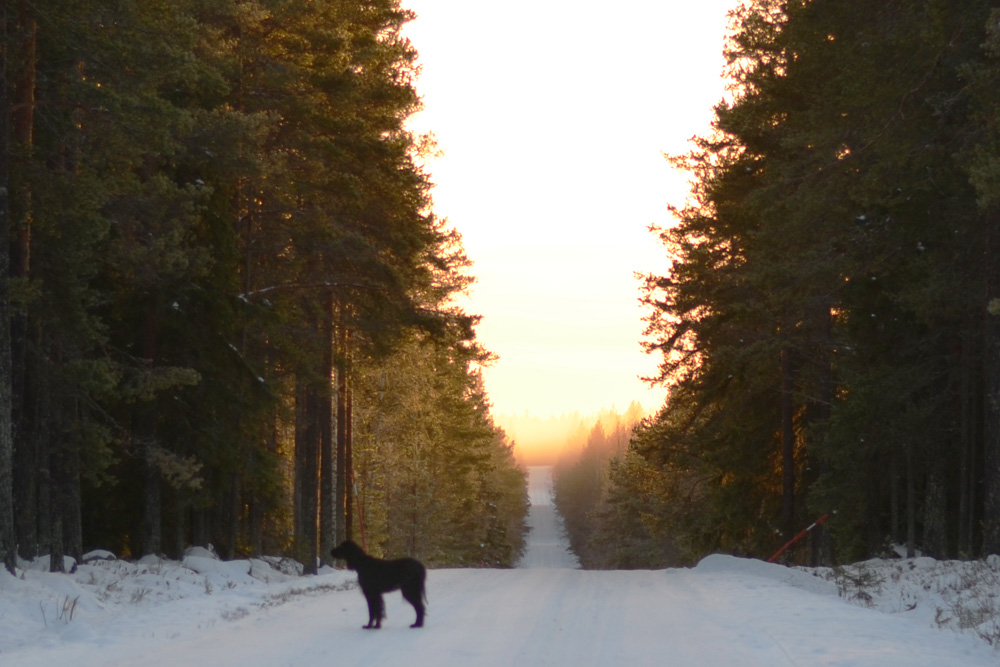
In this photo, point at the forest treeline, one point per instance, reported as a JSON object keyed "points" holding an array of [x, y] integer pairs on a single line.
{"points": [[830, 326], [582, 492], [226, 300]]}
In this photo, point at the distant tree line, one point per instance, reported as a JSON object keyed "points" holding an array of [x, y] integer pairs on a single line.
{"points": [[830, 326], [559, 439], [226, 310], [583, 487]]}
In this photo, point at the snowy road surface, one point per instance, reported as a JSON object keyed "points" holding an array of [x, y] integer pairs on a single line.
{"points": [[725, 612], [547, 546]]}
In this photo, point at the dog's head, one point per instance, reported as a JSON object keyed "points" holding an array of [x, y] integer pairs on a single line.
{"points": [[348, 551]]}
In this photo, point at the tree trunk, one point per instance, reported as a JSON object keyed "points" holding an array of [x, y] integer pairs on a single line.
{"points": [[327, 484], [65, 457], [911, 504], [342, 443], [787, 446], [37, 440], [176, 548], [152, 506], [349, 461], [965, 447], [8, 544], [27, 461], [894, 522], [306, 475], [298, 522], [821, 542], [58, 475], [991, 371], [935, 500], [152, 534], [232, 516], [27, 458]]}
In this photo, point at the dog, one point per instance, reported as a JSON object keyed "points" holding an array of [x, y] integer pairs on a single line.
{"points": [[377, 576]]}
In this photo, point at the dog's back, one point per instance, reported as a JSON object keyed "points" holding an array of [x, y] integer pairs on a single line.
{"points": [[377, 576]]}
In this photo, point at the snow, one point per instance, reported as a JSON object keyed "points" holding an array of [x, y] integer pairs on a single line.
{"points": [[547, 546], [724, 611]]}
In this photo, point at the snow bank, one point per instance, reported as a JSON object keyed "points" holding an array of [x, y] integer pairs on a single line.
{"points": [[721, 565], [963, 596], [117, 600]]}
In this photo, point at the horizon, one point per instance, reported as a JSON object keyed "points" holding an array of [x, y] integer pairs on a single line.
{"points": [[552, 439]]}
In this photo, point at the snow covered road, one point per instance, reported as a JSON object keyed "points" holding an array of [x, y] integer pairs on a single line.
{"points": [[547, 546], [725, 612]]}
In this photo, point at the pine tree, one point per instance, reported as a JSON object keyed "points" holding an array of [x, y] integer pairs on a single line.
{"points": [[218, 210], [815, 315]]}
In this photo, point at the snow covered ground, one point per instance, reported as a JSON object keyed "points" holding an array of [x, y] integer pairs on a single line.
{"points": [[726, 611], [547, 546]]}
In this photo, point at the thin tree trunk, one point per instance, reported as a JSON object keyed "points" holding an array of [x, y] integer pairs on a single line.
{"points": [[298, 528], [40, 437], [27, 460], [327, 483], [299, 521], [821, 542], [975, 457], [311, 494], [58, 474], [306, 475], [232, 528], [349, 462], [894, 521], [152, 507], [935, 510], [911, 504], [787, 446], [152, 534], [8, 544], [342, 480], [72, 509], [991, 371], [177, 537], [965, 446]]}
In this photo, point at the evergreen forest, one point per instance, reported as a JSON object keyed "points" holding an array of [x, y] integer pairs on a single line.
{"points": [[227, 307], [830, 328]]}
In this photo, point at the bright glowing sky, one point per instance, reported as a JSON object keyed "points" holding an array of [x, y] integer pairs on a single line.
{"points": [[552, 117]]}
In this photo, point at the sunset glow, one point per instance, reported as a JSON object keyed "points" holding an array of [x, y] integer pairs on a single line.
{"points": [[552, 118]]}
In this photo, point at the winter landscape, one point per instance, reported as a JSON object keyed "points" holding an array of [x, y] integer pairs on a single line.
{"points": [[725, 611]]}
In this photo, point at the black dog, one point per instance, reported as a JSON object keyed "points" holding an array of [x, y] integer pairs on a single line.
{"points": [[377, 576]]}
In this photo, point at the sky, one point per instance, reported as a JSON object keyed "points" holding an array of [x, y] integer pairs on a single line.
{"points": [[552, 118]]}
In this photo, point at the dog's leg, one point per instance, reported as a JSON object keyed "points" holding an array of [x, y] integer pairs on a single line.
{"points": [[414, 594], [375, 611], [381, 611]]}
